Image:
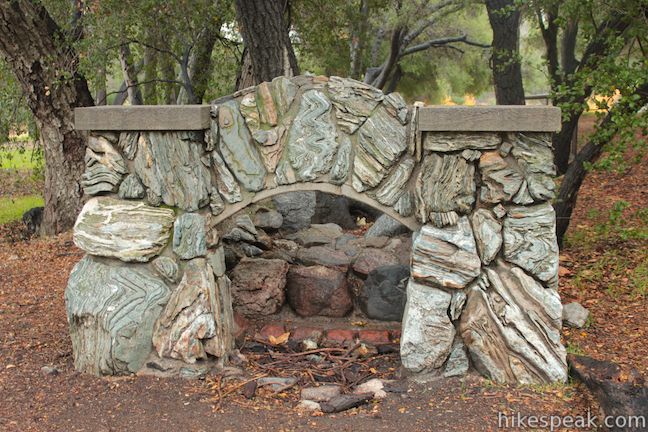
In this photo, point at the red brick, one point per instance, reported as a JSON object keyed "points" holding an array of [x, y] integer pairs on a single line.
{"points": [[272, 329], [340, 335], [395, 335], [301, 333], [374, 337]]}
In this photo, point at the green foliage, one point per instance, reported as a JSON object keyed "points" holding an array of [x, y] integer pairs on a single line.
{"points": [[573, 348], [616, 224], [21, 158], [12, 209], [15, 116], [327, 29]]}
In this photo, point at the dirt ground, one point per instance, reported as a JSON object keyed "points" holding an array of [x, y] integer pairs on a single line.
{"points": [[33, 334]]}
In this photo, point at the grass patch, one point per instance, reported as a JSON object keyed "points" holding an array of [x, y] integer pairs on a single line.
{"points": [[12, 209], [20, 159]]}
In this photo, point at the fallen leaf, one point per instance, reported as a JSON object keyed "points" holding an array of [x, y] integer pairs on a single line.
{"points": [[279, 340]]}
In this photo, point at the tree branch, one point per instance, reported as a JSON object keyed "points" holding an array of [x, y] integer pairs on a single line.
{"points": [[123, 88], [441, 42]]}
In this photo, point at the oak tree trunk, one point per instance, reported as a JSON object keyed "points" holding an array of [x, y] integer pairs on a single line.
{"points": [[504, 18], [34, 47], [264, 28]]}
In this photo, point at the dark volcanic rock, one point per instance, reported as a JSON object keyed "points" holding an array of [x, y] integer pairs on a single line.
{"points": [[323, 255], [333, 209], [258, 286], [383, 295], [618, 397], [370, 259], [296, 208], [318, 290]]}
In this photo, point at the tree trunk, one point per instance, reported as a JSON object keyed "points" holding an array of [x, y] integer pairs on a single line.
{"points": [[562, 142], [571, 183], [358, 39], [47, 71], [130, 76], [265, 34], [504, 18], [199, 67], [245, 77], [150, 74], [576, 172]]}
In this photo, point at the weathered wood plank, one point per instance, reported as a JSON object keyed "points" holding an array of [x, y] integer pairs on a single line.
{"points": [[502, 118], [142, 118]]}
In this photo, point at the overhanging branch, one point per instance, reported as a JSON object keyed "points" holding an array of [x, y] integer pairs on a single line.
{"points": [[441, 42]]}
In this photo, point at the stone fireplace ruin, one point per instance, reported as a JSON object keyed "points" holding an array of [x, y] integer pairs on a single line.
{"points": [[169, 186]]}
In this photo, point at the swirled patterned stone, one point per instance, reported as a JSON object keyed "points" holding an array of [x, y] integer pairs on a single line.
{"points": [[131, 188], [391, 189], [127, 230], [237, 149], [382, 140], [445, 184], [167, 268], [111, 311], [534, 155], [225, 181], [530, 240], [342, 163], [511, 326], [501, 181], [446, 257], [488, 234], [455, 141], [104, 167], [187, 320], [189, 236], [396, 106], [312, 138], [427, 330], [171, 168], [128, 144], [405, 204], [353, 100]]}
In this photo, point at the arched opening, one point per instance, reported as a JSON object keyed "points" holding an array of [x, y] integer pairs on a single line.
{"points": [[313, 269]]}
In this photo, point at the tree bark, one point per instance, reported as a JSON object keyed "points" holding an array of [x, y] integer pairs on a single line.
{"points": [[504, 18], [46, 68], [264, 28]]}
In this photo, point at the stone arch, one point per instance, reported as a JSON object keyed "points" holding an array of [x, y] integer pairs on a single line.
{"points": [[410, 222], [474, 185]]}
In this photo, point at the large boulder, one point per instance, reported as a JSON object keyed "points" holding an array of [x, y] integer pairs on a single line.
{"points": [[188, 320], [318, 290], [530, 241], [383, 294], [258, 286], [447, 256], [333, 209], [511, 327], [428, 333], [386, 226], [189, 236], [317, 234], [323, 255], [370, 259], [111, 311], [127, 230], [296, 208]]}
